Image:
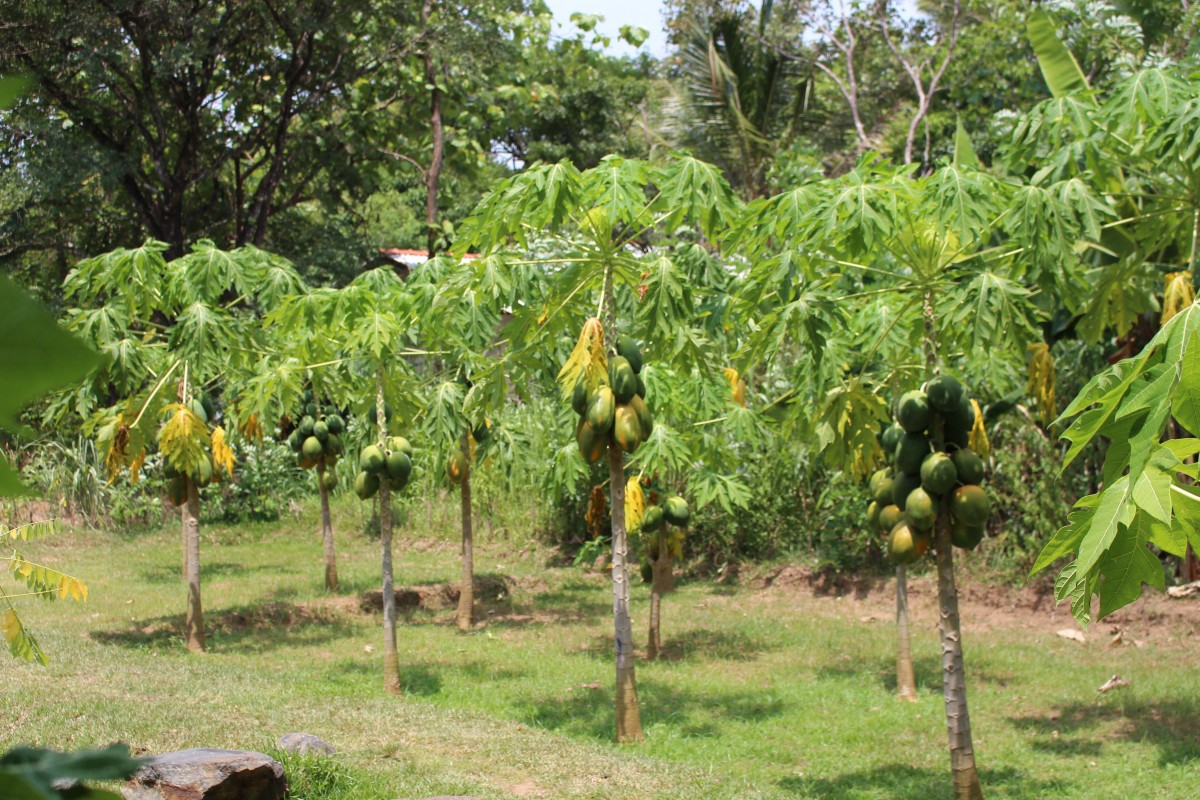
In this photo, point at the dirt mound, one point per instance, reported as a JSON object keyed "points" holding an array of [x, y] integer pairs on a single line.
{"points": [[438, 596]]}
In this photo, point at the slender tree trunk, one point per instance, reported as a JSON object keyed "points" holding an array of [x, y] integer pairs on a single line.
{"points": [[391, 656], [954, 675], [183, 534], [191, 532], [629, 719], [331, 576], [466, 589], [437, 133], [906, 684], [661, 582]]}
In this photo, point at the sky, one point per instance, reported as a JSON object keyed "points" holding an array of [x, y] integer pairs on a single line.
{"points": [[641, 13]]}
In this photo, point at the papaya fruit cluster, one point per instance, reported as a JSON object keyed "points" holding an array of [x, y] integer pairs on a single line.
{"points": [[389, 460], [317, 438], [206, 472], [656, 530], [457, 463], [907, 495], [614, 414]]}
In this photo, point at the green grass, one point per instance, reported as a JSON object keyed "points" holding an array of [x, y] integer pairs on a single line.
{"points": [[774, 694]]}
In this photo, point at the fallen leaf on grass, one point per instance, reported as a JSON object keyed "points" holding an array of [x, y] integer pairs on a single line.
{"points": [[1073, 635], [1115, 682]]}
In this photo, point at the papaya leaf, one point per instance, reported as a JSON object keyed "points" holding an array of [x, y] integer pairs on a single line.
{"points": [[1178, 294], [182, 439], [21, 643], [1126, 566], [635, 503], [222, 454], [588, 361], [1041, 382], [1066, 540]]}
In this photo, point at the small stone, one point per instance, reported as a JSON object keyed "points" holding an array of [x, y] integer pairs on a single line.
{"points": [[207, 774], [305, 744]]}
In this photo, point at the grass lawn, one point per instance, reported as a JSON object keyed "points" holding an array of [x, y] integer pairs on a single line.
{"points": [[763, 693]]}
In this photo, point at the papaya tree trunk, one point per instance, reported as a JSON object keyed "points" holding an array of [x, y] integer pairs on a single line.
{"points": [[191, 532], [391, 656], [661, 582], [331, 576], [964, 775], [183, 543], [906, 684], [629, 720], [466, 590], [438, 136]]}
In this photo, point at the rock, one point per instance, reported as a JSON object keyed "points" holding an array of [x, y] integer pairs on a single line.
{"points": [[305, 744], [205, 774]]}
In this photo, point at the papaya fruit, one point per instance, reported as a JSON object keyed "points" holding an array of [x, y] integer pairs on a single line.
{"points": [[675, 510], [373, 414], [873, 515], [321, 431], [197, 408], [401, 444], [641, 387], [312, 448], [906, 545], [335, 424], [890, 438], [970, 505], [311, 409], [481, 432], [628, 350], [883, 490], [329, 480], [366, 485], [399, 467], [579, 397], [295, 441], [591, 444], [938, 474], [902, 486], [371, 460], [876, 478], [911, 452], [913, 412], [210, 408], [177, 490], [653, 519], [968, 466], [601, 410], [890, 516], [622, 379], [627, 431], [307, 426], [944, 393], [305, 462], [958, 423], [920, 509], [645, 418], [334, 446], [456, 467], [966, 536]]}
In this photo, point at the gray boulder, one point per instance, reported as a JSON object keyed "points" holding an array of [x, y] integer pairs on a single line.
{"points": [[204, 774], [305, 744]]}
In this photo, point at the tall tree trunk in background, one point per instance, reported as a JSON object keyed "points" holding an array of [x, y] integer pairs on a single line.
{"points": [[391, 656], [438, 136], [331, 576], [629, 718], [662, 581], [906, 684], [191, 532], [964, 774], [466, 589]]}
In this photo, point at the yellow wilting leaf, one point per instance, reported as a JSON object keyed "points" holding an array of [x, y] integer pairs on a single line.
{"points": [[251, 429], [737, 386], [11, 624], [587, 361], [1041, 382], [221, 452], [597, 508], [635, 504], [1178, 294], [135, 466], [978, 439], [182, 438]]}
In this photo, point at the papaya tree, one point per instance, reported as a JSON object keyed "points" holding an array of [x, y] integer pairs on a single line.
{"points": [[593, 235], [36, 355], [942, 274], [177, 334], [369, 325]]}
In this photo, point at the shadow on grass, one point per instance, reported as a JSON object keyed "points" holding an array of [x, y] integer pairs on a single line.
{"points": [[926, 669], [169, 573], [904, 782], [590, 712], [692, 646], [1173, 727], [257, 627], [575, 602]]}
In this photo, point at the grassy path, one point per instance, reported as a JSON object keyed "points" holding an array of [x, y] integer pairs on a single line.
{"points": [[763, 694]]}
